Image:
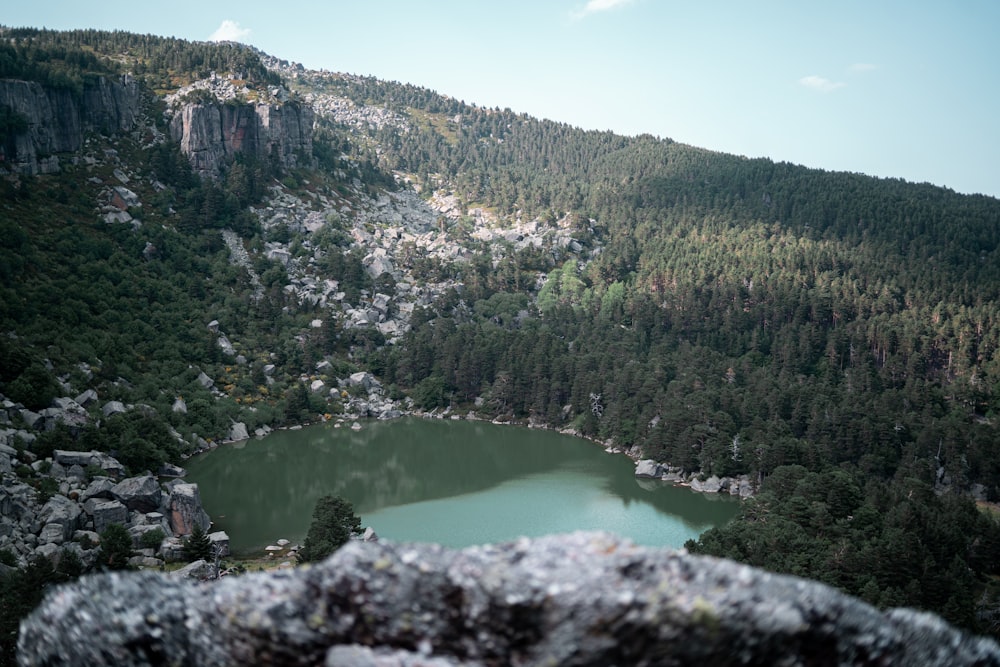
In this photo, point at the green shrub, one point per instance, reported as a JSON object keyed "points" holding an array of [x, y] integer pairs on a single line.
{"points": [[152, 539], [116, 548]]}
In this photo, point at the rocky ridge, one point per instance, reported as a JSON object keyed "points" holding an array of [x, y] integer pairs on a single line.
{"points": [[581, 599]]}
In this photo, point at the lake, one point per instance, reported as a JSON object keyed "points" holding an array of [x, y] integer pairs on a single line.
{"points": [[457, 483]]}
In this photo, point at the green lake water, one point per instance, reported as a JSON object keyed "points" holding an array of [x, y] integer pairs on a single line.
{"points": [[457, 483]]}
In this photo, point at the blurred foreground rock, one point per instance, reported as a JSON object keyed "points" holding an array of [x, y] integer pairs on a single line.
{"points": [[581, 599]]}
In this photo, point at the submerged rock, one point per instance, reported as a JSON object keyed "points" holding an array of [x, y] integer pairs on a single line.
{"points": [[581, 599]]}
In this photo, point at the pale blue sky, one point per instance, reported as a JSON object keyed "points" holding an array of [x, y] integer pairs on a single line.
{"points": [[893, 88]]}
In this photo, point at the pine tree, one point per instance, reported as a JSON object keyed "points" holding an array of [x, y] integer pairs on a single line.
{"points": [[197, 546], [333, 523]]}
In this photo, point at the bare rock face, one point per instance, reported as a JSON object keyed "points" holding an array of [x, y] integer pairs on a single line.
{"points": [[582, 599], [55, 120], [210, 134], [185, 509]]}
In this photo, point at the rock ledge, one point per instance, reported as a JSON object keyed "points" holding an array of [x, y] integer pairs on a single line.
{"points": [[580, 599]]}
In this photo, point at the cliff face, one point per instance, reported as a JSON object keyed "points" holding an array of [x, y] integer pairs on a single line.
{"points": [[581, 599], [211, 134], [57, 120]]}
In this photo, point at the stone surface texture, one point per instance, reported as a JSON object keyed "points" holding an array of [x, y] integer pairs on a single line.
{"points": [[581, 599]]}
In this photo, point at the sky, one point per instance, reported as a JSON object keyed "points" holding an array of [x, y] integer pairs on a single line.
{"points": [[892, 88]]}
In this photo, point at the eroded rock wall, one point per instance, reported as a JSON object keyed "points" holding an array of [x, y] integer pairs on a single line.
{"points": [[582, 599], [211, 134], [57, 119]]}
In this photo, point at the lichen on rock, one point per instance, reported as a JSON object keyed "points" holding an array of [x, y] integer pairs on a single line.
{"points": [[580, 599]]}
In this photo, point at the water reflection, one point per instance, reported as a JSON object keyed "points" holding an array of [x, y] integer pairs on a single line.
{"points": [[265, 489]]}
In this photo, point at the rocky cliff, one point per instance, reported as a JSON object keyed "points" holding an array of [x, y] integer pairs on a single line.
{"points": [[582, 599], [57, 120], [210, 134]]}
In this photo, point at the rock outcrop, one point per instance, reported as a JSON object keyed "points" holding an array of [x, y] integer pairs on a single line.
{"points": [[582, 599], [211, 134], [56, 120]]}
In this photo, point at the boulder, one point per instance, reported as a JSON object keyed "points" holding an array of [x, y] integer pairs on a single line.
{"points": [[220, 541], [141, 494], [711, 485], [70, 458], [365, 380], [172, 549], [226, 346], [145, 563], [205, 381], [105, 512], [99, 488], [185, 509], [113, 408], [648, 468], [60, 510], [50, 551], [30, 419], [88, 397], [87, 538], [170, 470], [52, 533], [180, 406], [198, 569], [111, 466], [238, 431], [580, 599]]}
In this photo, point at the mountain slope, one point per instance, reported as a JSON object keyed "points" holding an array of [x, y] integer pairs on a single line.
{"points": [[831, 338]]}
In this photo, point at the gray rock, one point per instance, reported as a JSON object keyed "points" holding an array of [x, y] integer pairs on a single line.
{"points": [[48, 550], [52, 533], [209, 134], [113, 408], [105, 512], [68, 458], [581, 599], [220, 541], [172, 549], [88, 397], [711, 485], [205, 381], [111, 466], [99, 488], [198, 569], [87, 537], [66, 403], [185, 509], [180, 406], [58, 119], [170, 470], [648, 468], [137, 533], [145, 562], [238, 431], [141, 494], [60, 510], [30, 418]]}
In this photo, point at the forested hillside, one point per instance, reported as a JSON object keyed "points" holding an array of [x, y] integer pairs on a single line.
{"points": [[833, 336]]}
